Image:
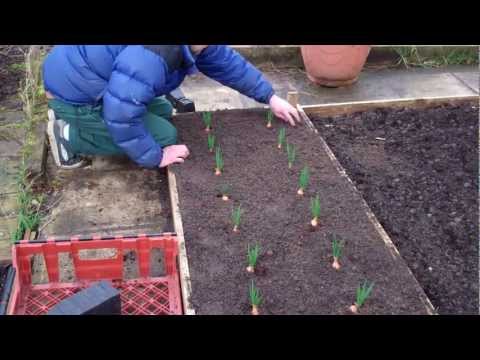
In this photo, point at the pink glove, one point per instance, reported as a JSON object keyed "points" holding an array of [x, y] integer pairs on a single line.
{"points": [[174, 154], [283, 110]]}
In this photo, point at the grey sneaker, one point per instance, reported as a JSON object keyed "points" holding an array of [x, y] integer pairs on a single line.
{"points": [[63, 156]]}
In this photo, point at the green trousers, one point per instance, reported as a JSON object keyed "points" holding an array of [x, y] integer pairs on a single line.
{"points": [[88, 134]]}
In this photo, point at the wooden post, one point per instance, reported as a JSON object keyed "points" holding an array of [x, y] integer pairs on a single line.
{"points": [[292, 98]]}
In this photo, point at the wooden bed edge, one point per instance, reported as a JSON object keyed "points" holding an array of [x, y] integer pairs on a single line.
{"points": [[345, 108], [185, 283]]}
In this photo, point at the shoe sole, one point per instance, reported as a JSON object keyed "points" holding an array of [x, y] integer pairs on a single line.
{"points": [[54, 146]]}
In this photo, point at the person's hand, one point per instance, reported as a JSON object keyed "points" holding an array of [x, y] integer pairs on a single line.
{"points": [[174, 154], [283, 110]]}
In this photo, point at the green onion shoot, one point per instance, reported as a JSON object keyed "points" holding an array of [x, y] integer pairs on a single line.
{"points": [[218, 161], [291, 153], [281, 138], [236, 217], [363, 292], [252, 257], [315, 208], [337, 252], [269, 118], [255, 298], [303, 180], [207, 120], [211, 142], [225, 190]]}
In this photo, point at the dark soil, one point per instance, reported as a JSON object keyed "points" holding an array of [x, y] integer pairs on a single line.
{"points": [[10, 73], [294, 272], [422, 184]]}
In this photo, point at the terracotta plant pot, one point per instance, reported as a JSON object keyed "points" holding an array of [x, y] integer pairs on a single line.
{"points": [[334, 65]]}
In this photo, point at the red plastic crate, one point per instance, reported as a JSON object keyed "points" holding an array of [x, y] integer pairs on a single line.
{"points": [[143, 296]]}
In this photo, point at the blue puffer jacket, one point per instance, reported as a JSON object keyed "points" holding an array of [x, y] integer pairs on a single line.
{"points": [[127, 77]]}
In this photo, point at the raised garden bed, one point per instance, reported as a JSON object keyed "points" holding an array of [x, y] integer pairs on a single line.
{"points": [[418, 171], [294, 273]]}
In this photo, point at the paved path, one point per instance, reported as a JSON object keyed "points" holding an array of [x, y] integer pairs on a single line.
{"points": [[372, 85]]}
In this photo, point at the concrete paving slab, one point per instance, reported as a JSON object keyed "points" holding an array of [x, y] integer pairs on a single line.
{"points": [[11, 116], [210, 95], [8, 205], [372, 85], [11, 137], [111, 202], [8, 172], [8, 149], [7, 227], [471, 79], [112, 163]]}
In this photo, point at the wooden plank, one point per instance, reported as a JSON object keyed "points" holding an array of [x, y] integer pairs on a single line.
{"points": [[185, 283], [373, 219], [334, 109], [306, 119]]}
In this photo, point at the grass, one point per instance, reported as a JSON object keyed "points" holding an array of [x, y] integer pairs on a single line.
{"points": [[29, 205], [218, 161], [207, 120], [237, 217], [211, 142], [254, 294], [409, 56], [25, 221], [461, 57], [303, 180], [33, 99], [291, 154], [252, 256], [281, 138], [363, 292], [17, 67]]}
